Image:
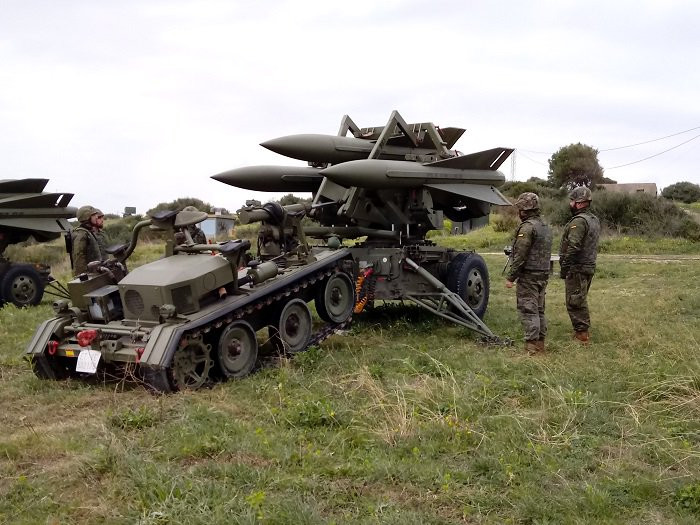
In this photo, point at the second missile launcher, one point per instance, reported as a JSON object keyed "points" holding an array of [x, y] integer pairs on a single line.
{"points": [[392, 185], [28, 212]]}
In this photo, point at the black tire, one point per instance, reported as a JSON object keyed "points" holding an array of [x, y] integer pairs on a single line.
{"points": [[468, 277], [22, 286], [54, 368], [335, 298], [237, 350]]}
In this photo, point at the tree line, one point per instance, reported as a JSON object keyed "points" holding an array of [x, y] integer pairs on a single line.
{"points": [[577, 165]]}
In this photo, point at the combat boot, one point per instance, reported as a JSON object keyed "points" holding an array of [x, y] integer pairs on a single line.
{"points": [[582, 337], [540, 345], [531, 347]]}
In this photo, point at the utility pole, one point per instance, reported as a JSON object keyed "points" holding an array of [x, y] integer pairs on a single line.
{"points": [[512, 165]]}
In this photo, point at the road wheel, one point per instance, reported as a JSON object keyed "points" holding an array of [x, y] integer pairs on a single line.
{"points": [[294, 326], [335, 298], [191, 364], [468, 277], [22, 286], [237, 350]]}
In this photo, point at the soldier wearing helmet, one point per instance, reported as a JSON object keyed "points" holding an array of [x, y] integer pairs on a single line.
{"points": [[529, 267], [87, 240], [577, 259], [197, 236]]}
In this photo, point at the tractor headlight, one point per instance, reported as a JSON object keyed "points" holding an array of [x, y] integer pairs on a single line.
{"points": [[60, 306], [167, 311]]}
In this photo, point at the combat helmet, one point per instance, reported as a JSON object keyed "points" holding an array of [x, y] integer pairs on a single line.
{"points": [[190, 208], [580, 194], [528, 201], [85, 212]]}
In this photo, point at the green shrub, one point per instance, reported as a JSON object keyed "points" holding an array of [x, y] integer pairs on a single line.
{"points": [[515, 188], [555, 210], [642, 214], [682, 191], [504, 222], [117, 232], [629, 214], [46, 253]]}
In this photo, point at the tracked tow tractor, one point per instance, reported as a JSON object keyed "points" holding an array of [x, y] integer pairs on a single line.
{"points": [[201, 312]]}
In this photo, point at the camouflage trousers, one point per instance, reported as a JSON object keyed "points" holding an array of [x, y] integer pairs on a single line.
{"points": [[577, 286], [529, 294]]}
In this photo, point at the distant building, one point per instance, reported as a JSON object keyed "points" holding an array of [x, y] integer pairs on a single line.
{"points": [[641, 187]]}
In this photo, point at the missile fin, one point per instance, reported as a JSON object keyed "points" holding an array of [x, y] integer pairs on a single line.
{"points": [[480, 192], [451, 135], [23, 185], [490, 159]]}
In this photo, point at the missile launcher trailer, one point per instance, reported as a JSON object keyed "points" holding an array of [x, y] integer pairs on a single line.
{"points": [[27, 211], [391, 185], [199, 313]]}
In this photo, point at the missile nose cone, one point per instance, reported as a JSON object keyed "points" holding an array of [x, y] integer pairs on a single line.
{"points": [[272, 178], [224, 176], [288, 146]]}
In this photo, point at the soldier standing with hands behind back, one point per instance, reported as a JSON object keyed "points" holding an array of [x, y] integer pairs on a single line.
{"points": [[577, 258], [529, 267]]}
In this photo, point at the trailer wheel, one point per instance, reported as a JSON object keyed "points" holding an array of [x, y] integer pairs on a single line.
{"points": [[237, 351], [468, 277], [335, 298], [294, 326], [22, 286]]}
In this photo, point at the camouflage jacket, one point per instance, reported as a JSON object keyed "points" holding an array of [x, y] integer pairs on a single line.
{"points": [[88, 246], [579, 243], [197, 234], [532, 248]]}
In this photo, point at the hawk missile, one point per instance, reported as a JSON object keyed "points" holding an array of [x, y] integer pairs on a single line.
{"points": [[378, 174], [273, 178], [334, 149], [473, 176]]}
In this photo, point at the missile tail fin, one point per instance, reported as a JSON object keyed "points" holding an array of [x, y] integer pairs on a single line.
{"points": [[490, 159]]}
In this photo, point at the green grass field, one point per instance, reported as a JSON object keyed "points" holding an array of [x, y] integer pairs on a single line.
{"points": [[404, 419]]}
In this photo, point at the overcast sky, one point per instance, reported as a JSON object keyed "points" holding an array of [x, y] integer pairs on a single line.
{"points": [[135, 102]]}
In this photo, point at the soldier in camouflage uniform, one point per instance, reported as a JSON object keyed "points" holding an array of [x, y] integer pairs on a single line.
{"points": [[529, 267], [577, 258], [198, 236], [88, 241]]}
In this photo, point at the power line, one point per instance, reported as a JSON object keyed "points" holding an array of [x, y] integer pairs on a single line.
{"points": [[655, 155], [535, 152], [623, 147], [520, 152], [653, 140]]}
